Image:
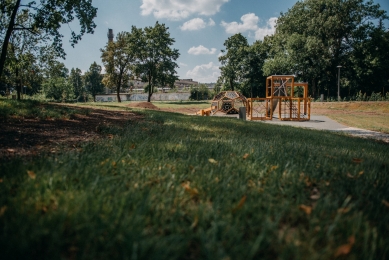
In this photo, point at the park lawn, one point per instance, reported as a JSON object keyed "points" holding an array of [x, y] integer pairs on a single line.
{"points": [[184, 104], [366, 115], [172, 186]]}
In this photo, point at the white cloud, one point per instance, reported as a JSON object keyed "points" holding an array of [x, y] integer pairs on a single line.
{"points": [[249, 22], [205, 73], [201, 50], [183, 64], [180, 9], [269, 29], [194, 24]]}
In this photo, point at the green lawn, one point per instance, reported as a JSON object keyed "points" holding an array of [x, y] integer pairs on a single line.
{"points": [[184, 187]]}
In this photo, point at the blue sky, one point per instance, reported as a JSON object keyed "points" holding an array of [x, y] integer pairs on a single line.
{"points": [[199, 28]]}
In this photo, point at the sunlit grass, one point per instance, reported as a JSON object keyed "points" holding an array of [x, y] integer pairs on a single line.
{"points": [[366, 115], [175, 187]]}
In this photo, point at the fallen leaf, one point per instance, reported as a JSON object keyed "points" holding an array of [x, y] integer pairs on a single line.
{"points": [[110, 136], [361, 172], [350, 176], [343, 210], [11, 150], [114, 164], [306, 209], [192, 191], [357, 160], [212, 160], [2, 210], [195, 222], [386, 203], [1, 180], [240, 204], [31, 174], [133, 146], [245, 156], [346, 248]]}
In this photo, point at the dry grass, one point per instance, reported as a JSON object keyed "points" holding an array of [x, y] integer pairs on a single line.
{"points": [[367, 115]]}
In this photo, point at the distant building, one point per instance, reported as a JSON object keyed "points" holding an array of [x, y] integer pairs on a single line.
{"points": [[185, 83]]}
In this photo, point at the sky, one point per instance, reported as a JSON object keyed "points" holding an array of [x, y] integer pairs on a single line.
{"points": [[199, 28]]}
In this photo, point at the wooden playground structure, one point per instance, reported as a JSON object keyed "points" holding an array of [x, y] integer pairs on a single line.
{"points": [[226, 102], [290, 96]]}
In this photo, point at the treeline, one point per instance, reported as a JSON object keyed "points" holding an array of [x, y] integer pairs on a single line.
{"points": [[312, 39]]}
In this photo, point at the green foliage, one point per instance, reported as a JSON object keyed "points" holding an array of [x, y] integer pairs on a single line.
{"points": [[200, 93], [93, 80], [156, 59], [153, 192], [118, 58], [146, 89], [315, 36], [58, 89], [75, 79], [232, 69], [45, 18]]}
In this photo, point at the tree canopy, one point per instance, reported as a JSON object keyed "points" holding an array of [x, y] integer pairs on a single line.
{"points": [[316, 36], [93, 80], [312, 39], [156, 59], [45, 18]]}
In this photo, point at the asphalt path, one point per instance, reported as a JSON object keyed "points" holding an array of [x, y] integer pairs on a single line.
{"points": [[325, 123]]}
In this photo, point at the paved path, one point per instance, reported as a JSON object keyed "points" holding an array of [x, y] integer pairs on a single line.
{"points": [[326, 123]]}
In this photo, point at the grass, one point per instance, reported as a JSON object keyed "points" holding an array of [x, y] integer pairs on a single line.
{"points": [[36, 109], [183, 187], [365, 115]]}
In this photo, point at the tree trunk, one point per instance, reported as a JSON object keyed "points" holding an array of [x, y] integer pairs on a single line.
{"points": [[8, 36], [18, 84], [150, 87], [118, 93], [232, 84], [314, 88]]}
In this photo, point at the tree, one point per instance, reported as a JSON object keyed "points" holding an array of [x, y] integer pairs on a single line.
{"points": [[93, 80], [46, 18], [155, 58], [254, 83], [23, 56], [315, 36], [59, 89], [118, 57], [75, 79], [232, 61]]}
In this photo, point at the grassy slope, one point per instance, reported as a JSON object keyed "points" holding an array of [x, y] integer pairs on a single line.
{"points": [[153, 192]]}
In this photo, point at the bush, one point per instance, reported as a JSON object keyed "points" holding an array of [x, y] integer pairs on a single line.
{"points": [[200, 93]]}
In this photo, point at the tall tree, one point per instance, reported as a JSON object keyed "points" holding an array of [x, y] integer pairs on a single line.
{"points": [[118, 58], [93, 80], [23, 55], [233, 59], [47, 16], [75, 79], [156, 59], [315, 36], [253, 77]]}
